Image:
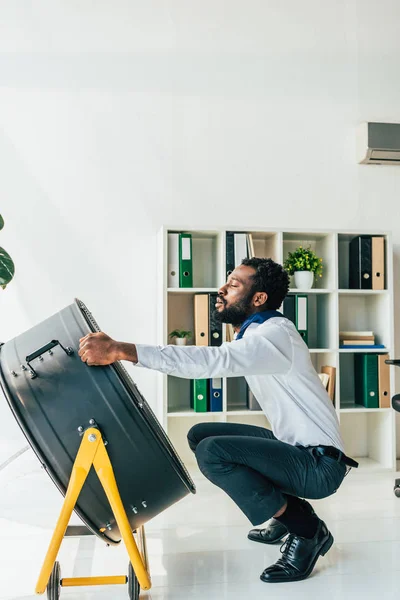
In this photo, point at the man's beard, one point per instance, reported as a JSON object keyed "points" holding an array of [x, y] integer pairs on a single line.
{"points": [[237, 314]]}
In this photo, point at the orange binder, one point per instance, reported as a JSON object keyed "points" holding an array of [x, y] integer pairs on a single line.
{"points": [[331, 371], [383, 381], [201, 320], [378, 263]]}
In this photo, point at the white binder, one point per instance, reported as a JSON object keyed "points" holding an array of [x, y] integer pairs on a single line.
{"points": [[173, 260], [240, 247]]}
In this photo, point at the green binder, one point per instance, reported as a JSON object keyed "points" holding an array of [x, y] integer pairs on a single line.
{"points": [[366, 380], [302, 316], [199, 395], [185, 260]]}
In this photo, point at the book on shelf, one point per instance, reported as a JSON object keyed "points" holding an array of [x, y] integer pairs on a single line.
{"points": [[362, 346], [358, 339], [355, 335], [324, 377], [358, 342], [330, 387], [250, 246]]}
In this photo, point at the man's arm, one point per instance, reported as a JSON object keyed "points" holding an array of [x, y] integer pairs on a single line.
{"points": [[252, 355], [127, 352]]}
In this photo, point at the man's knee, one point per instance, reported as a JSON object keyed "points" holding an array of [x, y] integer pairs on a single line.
{"points": [[210, 457], [193, 437]]}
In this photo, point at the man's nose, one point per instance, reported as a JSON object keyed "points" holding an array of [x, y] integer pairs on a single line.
{"points": [[222, 290]]}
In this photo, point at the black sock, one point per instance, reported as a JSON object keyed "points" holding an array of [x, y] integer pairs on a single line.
{"points": [[297, 520]]}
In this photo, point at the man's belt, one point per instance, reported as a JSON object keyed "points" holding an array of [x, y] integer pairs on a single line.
{"points": [[332, 452]]}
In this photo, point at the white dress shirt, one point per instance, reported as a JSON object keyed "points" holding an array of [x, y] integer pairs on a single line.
{"points": [[276, 363]]}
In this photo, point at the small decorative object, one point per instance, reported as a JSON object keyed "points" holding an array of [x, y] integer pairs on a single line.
{"points": [[304, 264], [180, 336], [7, 268]]}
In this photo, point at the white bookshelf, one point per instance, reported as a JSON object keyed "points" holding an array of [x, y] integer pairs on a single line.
{"points": [[369, 434]]}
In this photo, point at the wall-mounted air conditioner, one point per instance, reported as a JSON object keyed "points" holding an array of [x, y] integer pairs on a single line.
{"points": [[378, 143]]}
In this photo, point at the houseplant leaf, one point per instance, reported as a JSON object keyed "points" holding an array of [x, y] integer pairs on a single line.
{"points": [[7, 268]]}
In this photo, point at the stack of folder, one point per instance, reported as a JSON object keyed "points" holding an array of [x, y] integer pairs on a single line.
{"points": [[239, 245], [207, 328], [372, 380], [358, 340], [206, 394], [180, 263], [295, 308], [367, 263]]}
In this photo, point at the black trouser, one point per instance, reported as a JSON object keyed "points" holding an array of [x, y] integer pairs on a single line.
{"points": [[257, 471]]}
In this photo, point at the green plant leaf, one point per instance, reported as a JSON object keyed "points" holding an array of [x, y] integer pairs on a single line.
{"points": [[7, 268], [1, 222], [303, 259], [180, 333]]}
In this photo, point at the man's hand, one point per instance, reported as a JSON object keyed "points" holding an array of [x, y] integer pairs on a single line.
{"points": [[97, 349]]}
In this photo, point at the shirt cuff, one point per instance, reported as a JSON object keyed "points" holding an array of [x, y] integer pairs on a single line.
{"points": [[149, 357]]}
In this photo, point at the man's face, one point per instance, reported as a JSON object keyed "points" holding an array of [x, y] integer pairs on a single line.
{"points": [[235, 298]]}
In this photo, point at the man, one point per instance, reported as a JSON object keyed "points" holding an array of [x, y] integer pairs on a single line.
{"points": [[264, 472]]}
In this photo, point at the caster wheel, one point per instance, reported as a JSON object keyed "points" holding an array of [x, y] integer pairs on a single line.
{"points": [[53, 587], [397, 491], [133, 584]]}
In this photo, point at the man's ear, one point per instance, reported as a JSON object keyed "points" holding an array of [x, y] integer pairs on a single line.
{"points": [[260, 298]]}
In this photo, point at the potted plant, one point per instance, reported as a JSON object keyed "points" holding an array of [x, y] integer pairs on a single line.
{"points": [[304, 264], [7, 268], [180, 336]]}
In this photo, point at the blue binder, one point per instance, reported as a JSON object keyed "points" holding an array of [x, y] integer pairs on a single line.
{"points": [[216, 394]]}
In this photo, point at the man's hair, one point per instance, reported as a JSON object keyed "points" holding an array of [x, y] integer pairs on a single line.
{"points": [[269, 277]]}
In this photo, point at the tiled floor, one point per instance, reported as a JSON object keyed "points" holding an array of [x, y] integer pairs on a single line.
{"points": [[198, 548]]}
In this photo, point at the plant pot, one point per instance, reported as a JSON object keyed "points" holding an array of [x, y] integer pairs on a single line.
{"points": [[180, 341], [303, 280]]}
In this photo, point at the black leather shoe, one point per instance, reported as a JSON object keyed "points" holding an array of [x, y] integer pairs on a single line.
{"points": [[275, 531], [299, 556]]}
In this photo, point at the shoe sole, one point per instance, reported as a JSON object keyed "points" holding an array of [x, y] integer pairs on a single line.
{"points": [[269, 543], [325, 548]]}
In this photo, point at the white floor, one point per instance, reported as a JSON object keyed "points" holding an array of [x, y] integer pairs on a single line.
{"points": [[198, 548]]}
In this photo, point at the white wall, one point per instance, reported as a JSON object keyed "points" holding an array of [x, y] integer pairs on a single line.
{"points": [[118, 117]]}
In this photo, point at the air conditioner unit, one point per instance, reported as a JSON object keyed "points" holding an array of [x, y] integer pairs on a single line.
{"points": [[378, 143]]}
